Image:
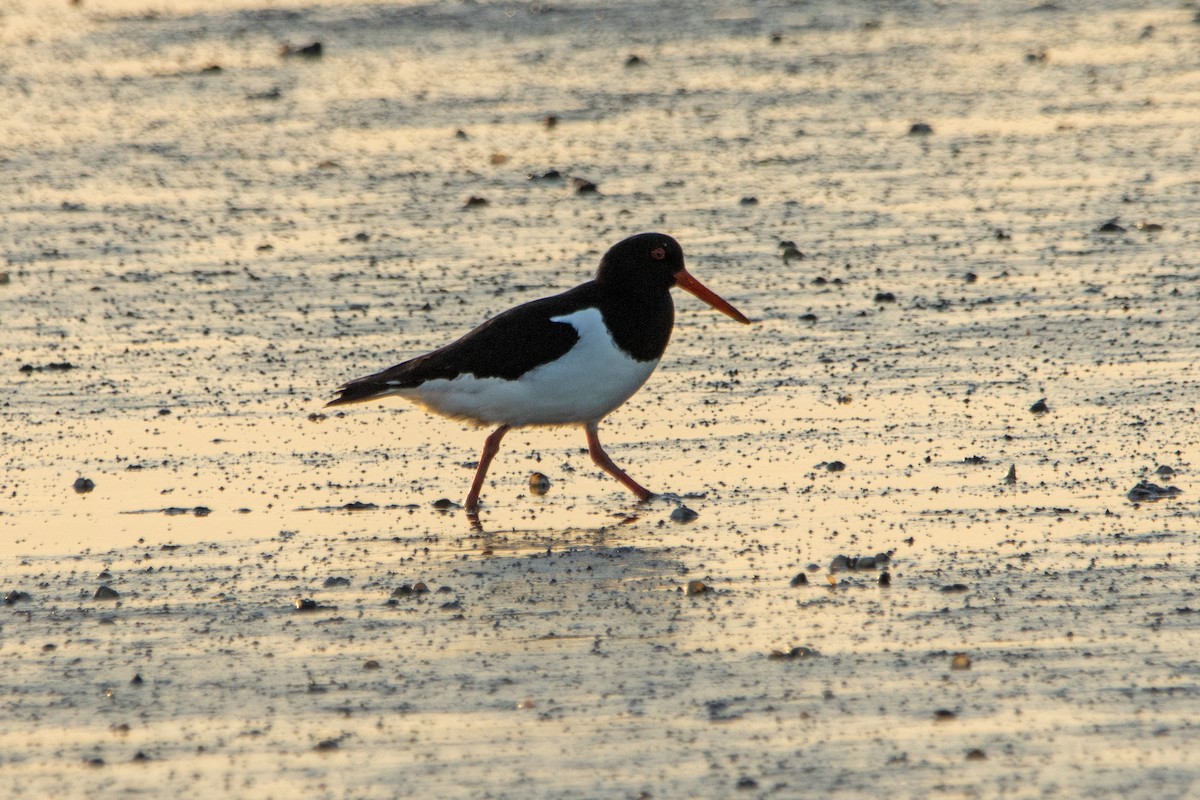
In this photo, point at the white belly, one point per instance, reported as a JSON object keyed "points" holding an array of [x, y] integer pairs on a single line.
{"points": [[586, 384]]}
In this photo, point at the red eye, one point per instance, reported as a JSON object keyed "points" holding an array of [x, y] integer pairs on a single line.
{"points": [[658, 253]]}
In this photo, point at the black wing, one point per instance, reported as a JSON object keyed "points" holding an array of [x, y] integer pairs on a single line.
{"points": [[506, 346]]}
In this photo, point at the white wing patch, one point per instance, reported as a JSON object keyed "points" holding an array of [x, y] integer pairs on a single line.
{"points": [[587, 383]]}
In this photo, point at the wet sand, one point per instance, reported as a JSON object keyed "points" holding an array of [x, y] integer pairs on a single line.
{"points": [[203, 237]]}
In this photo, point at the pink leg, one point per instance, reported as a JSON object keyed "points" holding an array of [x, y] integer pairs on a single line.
{"points": [[605, 463], [490, 448]]}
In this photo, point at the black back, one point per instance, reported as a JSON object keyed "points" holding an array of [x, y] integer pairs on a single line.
{"points": [[631, 290]]}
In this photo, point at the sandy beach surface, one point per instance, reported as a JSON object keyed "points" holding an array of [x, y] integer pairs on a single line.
{"points": [[945, 536]]}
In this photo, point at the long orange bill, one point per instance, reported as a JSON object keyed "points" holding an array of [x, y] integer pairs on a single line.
{"points": [[685, 281]]}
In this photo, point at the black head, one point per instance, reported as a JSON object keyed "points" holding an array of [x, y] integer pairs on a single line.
{"points": [[647, 262], [646, 266]]}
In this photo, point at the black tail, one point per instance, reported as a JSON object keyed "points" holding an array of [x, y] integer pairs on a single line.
{"points": [[358, 391]]}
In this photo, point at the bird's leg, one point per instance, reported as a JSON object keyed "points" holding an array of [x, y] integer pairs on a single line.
{"points": [[490, 448], [605, 463]]}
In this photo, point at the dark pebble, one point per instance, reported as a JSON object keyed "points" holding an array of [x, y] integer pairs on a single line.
{"points": [[548, 175], [83, 485], [359, 505], [793, 654], [1011, 477], [885, 578], [444, 503], [475, 200], [105, 593], [944, 715], [749, 201], [920, 129], [1112, 226], [327, 744], [885, 297], [333, 582], [954, 588], [976, 755], [1039, 407], [305, 604], [683, 514], [835, 466], [14, 597], [539, 484], [696, 587], [1150, 492], [371, 664], [136, 680], [584, 186], [312, 50], [635, 61], [747, 784], [800, 580]]}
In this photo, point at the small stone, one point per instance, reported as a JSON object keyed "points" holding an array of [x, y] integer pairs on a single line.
{"points": [[539, 484], [326, 745], [961, 661], [635, 61], [799, 580], [371, 664], [83, 485], [333, 582], [748, 201], [683, 514], [954, 588], [1011, 477], [746, 784], [474, 201], [1039, 407], [136, 680], [696, 587], [105, 593], [885, 297], [839, 564], [976, 754], [1112, 226], [835, 466], [944, 715], [305, 604], [792, 654], [885, 579], [444, 503], [13, 597], [1165, 471], [584, 186], [920, 129], [314, 50], [1147, 492], [1149, 227], [402, 591], [420, 588]]}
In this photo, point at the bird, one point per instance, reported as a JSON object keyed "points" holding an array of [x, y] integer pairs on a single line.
{"points": [[569, 359]]}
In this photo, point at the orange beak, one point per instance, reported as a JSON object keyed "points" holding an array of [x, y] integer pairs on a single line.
{"points": [[685, 281]]}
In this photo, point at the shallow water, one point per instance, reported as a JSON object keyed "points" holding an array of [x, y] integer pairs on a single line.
{"points": [[214, 251]]}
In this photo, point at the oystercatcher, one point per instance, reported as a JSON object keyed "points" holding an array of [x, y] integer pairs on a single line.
{"points": [[569, 359]]}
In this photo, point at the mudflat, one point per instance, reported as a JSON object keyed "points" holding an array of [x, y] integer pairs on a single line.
{"points": [[928, 526]]}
